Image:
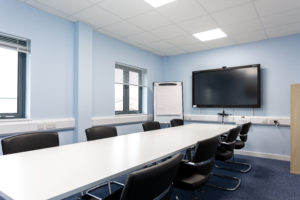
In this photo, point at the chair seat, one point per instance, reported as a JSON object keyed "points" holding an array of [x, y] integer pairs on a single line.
{"points": [[223, 155], [239, 144], [191, 181]]}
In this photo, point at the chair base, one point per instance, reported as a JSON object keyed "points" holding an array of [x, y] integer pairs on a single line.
{"points": [[227, 177], [249, 167], [88, 192]]}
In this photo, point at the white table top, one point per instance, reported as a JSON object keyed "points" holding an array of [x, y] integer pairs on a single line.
{"points": [[58, 172]]}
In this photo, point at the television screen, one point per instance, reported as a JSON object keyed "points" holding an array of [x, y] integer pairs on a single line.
{"points": [[227, 87]]}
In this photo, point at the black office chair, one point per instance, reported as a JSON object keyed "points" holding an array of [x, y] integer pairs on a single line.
{"points": [[29, 142], [96, 133], [238, 145], [243, 136], [100, 132], [241, 144], [176, 122], [150, 126], [225, 152], [195, 173], [150, 183]]}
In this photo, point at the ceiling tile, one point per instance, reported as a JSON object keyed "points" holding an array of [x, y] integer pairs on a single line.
{"points": [[285, 30], [131, 42], [143, 38], [181, 10], [168, 31], [198, 24], [160, 45], [123, 29], [219, 43], [126, 9], [108, 33], [149, 20], [250, 36], [235, 15], [183, 40], [246, 26], [173, 51], [216, 5], [47, 9], [67, 6], [280, 19], [268, 7], [96, 1], [97, 17], [194, 47]]}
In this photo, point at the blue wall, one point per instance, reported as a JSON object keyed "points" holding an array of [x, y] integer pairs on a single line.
{"points": [[53, 84], [280, 63], [50, 69], [55, 67], [106, 52]]}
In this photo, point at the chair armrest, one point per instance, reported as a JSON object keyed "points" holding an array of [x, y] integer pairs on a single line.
{"points": [[199, 164], [227, 143]]}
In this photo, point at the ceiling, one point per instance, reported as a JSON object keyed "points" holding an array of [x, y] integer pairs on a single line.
{"points": [[168, 30]]}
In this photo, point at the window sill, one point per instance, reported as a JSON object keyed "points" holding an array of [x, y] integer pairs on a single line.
{"points": [[15, 120]]}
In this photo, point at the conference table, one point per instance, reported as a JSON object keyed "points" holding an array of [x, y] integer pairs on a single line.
{"points": [[58, 172]]}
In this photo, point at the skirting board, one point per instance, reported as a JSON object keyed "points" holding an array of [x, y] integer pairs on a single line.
{"points": [[123, 119], [263, 155], [23, 126]]}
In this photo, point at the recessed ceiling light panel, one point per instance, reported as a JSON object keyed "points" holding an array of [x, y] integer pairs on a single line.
{"points": [[158, 3], [210, 35]]}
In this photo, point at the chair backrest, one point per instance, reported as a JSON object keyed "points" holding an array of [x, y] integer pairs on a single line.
{"points": [[29, 141], [244, 131], [176, 122], [152, 182], [150, 126], [100, 132], [233, 134], [205, 153]]}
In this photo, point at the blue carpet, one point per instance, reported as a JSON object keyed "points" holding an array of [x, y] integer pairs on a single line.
{"points": [[268, 180]]}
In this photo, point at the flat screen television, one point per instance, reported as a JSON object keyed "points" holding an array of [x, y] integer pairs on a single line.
{"points": [[233, 87]]}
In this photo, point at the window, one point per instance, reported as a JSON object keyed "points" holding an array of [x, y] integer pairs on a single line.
{"points": [[128, 89], [13, 53]]}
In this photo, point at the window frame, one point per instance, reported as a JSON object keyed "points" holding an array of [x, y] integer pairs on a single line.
{"points": [[22, 48], [126, 88]]}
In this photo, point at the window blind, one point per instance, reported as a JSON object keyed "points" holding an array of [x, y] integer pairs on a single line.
{"points": [[13, 42]]}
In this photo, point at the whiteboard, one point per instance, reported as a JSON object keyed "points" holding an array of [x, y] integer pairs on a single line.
{"points": [[168, 101]]}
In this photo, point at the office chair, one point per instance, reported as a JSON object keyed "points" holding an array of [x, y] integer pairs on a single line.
{"points": [[148, 184], [100, 132], [176, 122], [96, 133], [29, 142], [225, 152], [241, 144], [150, 126], [193, 174]]}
